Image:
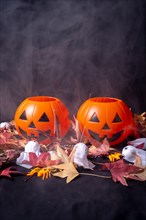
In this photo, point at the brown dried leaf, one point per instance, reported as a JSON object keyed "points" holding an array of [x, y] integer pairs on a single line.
{"points": [[140, 121], [141, 175]]}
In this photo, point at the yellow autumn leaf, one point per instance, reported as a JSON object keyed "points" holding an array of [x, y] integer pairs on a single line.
{"points": [[61, 153], [114, 156], [66, 170], [141, 175]]}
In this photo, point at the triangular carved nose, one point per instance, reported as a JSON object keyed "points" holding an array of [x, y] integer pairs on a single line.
{"points": [[106, 127], [31, 125]]}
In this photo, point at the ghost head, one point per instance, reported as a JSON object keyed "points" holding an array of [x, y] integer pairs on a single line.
{"points": [[129, 153]]}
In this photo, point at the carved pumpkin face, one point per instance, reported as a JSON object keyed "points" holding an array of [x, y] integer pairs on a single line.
{"points": [[36, 118], [105, 117]]}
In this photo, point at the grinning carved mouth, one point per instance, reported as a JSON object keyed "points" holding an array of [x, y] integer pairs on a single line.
{"points": [[41, 135], [112, 139]]}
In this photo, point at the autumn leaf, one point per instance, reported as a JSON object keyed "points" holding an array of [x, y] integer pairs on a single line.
{"points": [[61, 153], [114, 156], [8, 137], [43, 160], [45, 172], [142, 173], [140, 121], [102, 150], [120, 170], [66, 169], [8, 171], [75, 127], [8, 152], [5, 137]]}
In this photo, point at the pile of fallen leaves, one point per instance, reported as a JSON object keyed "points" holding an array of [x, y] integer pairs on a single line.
{"points": [[10, 144], [140, 121], [43, 166]]}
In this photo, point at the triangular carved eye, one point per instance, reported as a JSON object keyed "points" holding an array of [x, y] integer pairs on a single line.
{"points": [[117, 119], [23, 116], [31, 125], [94, 118], [44, 118]]}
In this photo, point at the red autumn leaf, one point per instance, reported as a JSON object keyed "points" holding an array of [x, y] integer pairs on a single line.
{"points": [[43, 160], [39, 161], [11, 153], [121, 170], [8, 171], [5, 137], [8, 152], [102, 150]]}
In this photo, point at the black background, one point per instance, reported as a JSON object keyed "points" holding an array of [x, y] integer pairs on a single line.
{"points": [[73, 50]]}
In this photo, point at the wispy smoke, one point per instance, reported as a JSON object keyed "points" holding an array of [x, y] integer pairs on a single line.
{"points": [[71, 50]]}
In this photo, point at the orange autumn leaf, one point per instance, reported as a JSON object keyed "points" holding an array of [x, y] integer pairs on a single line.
{"points": [[45, 172]]}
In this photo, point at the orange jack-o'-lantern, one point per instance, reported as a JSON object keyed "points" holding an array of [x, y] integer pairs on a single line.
{"points": [[102, 117], [36, 118]]}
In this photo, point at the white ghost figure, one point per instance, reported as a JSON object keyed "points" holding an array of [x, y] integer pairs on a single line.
{"points": [[4, 125], [80, 156], [31, 146], [137, 142], [129, 153]]}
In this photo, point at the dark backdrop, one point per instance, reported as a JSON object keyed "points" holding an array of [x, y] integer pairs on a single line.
{"points": [[73, 50]]}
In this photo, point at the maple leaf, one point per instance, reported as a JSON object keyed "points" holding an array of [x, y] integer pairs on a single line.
{"points": [[5, 137], [43, 160], [8, 171], [114, 156], [140, 121], [8, 138], [102, 150], [66, 169], [75, 127], [142, 173], [45, 172], [8, 152], [121, 170]]}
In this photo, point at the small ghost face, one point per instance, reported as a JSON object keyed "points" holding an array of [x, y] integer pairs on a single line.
{"points": [[105, 117], [37, 118]]}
